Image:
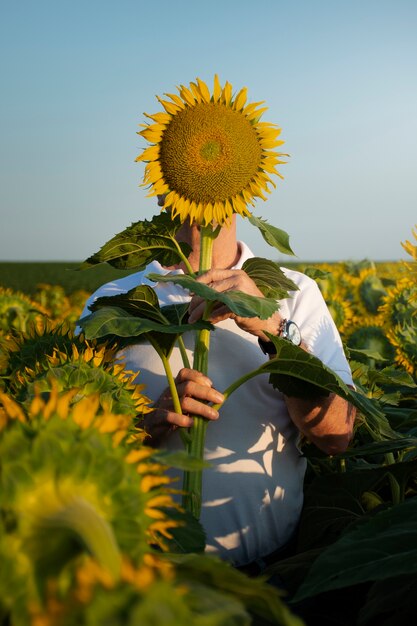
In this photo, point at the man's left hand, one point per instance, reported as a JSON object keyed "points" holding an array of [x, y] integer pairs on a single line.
{"points": [[232, 280]]}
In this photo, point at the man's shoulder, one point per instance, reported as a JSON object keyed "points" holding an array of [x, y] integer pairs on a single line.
{"points": [[300, 279]]}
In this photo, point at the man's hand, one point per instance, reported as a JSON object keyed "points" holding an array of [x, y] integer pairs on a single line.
{"points": [[233, 280], [194, 390]]}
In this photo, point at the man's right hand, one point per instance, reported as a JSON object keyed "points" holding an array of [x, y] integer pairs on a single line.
{"points": [[195, 390]]}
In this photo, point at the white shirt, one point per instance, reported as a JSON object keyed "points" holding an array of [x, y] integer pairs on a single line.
{"points": [[253, 490]]}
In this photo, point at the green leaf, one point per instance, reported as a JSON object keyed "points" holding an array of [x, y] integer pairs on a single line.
{"points": [[175, 313], [392, 376], [293, 364], [316, 273], [187, 537], [269, 278], [140, 301], [293, 570], [275, 237], [391, 602], [380, 447], [114, 321], [334, 502], [383, 547], [140, 244], [212, 607], [238, 302], [258, 597], [297, 373], [370, 354]]}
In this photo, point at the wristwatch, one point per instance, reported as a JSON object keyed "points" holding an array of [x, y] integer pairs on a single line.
{"points": [[287, 330]]}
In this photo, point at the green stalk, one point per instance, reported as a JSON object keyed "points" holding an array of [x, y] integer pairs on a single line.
{"points": [[172, 387], [192, 484], [184, 259], [183, 352], [237, 383]]}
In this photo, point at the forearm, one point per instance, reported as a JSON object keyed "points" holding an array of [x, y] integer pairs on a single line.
{"points": [[326, 421]]}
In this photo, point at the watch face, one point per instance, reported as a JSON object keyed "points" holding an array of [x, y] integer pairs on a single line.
{"points": [[292, 332]]}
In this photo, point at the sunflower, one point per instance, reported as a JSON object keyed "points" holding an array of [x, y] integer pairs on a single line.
{"points": [[374, 340], [210, 155], [75, 483], [400, 319], [341, 312], [410, 248], [17, 311], [30, 353]]}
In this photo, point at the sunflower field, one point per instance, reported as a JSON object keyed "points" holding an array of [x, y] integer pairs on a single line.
{"points": [[90, 531]]}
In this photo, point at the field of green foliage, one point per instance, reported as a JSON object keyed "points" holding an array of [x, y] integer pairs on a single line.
{"points": [[89, 531]]}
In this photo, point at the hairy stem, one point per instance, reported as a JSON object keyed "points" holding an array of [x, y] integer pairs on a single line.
{"points": [[172, 387], [192, 484]]}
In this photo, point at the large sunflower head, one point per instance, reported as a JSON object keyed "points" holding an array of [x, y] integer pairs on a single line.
{"points": [[75, 484], [210, 154]]}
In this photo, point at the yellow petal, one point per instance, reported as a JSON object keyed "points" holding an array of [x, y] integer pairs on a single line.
{"points": [[187, 96], [154, 513], [196, 93], [169, 107], [270, 143], [160, 500], [208, 213], [88, 354], [149, 154], [150, 482], [64, 401], [176, 99], [217, 89], [269, 168], [160, 118], [227, 93], [240, 99], [85, 410], [36, 406], [247, 196], [204, 90], [256, 114], [239, 205], [151, 135], [251, 107]]}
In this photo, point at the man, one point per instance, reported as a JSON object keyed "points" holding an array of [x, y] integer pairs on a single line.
{"points": [[253, 489]]}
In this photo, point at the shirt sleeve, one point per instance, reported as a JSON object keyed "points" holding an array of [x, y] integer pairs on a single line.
{"points": [[308, 309]]}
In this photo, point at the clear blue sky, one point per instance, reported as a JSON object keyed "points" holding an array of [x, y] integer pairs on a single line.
{"points": [[340, 77]]}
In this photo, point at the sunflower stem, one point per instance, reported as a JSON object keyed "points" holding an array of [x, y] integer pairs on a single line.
{"points": [[192, 484], [184, 259], [183, 352], [172, 387]]}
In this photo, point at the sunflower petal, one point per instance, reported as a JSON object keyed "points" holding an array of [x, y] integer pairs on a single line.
{"points": [[160, 118], [187, 96], [217, 89], [204, 90], [196, 93], [227, 93], [169, 107], [149, 154], [240, 99]]}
